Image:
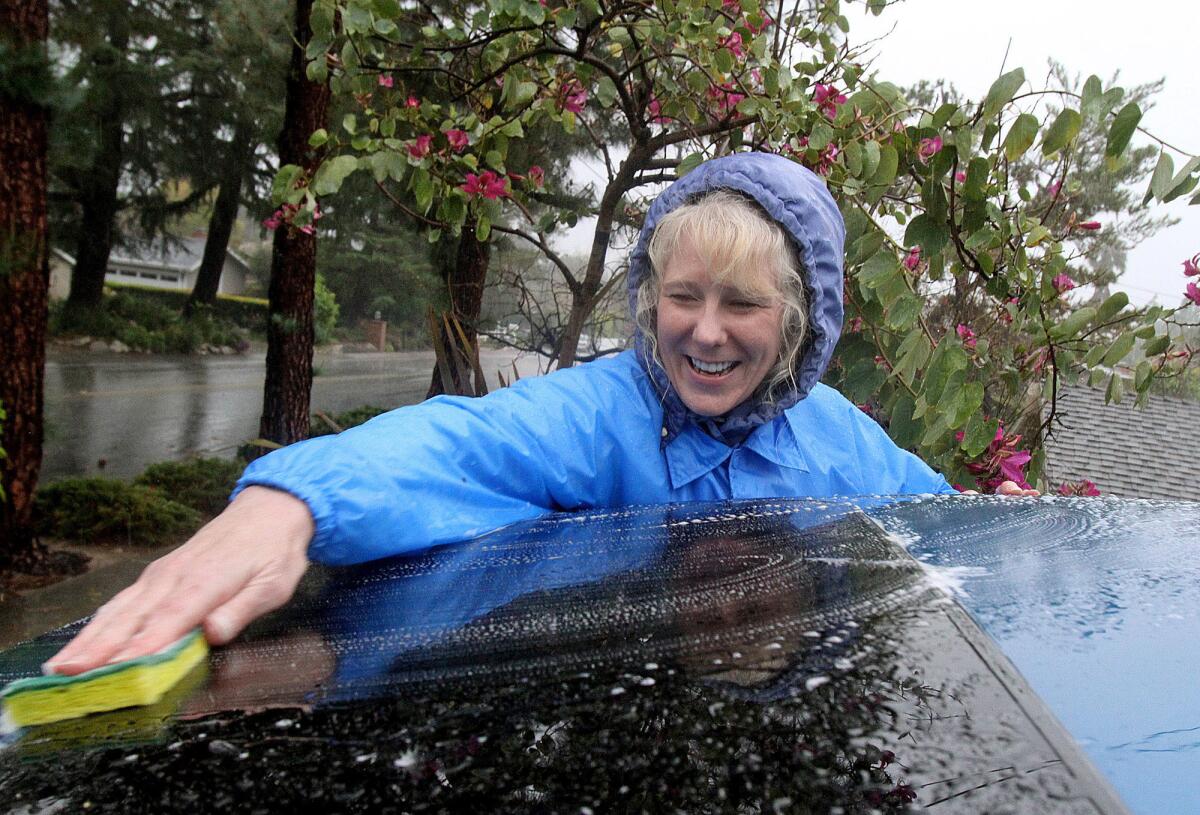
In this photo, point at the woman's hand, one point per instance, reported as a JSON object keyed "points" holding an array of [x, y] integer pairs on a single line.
{"points": [[1008, 488], [245, 562]]}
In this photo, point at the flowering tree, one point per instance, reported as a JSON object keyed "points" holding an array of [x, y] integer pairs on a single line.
{"points": [[960, 325]]}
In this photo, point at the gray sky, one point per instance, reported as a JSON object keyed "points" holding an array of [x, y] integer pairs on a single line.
{"points": [[965, 41]]}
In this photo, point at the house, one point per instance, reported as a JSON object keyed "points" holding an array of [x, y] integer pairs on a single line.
{"points": [[1128, 452], [161, 265]]}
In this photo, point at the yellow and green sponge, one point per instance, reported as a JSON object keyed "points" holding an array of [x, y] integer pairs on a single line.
{"points": [[134, 682]]}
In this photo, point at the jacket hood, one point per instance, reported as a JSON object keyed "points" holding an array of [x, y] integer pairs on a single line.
{"points": [[797, 199]]}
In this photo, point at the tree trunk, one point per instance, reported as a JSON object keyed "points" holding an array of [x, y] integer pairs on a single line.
{"points": [[459, 363], [293, 259], [99, 194], [220, 224], [24, 281], [584, 301]]}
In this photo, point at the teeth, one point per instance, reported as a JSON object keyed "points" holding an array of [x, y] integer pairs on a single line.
{"points": [[711, 367]]}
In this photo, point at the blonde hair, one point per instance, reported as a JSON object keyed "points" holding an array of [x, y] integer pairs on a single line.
{"points": [[734, 237]]}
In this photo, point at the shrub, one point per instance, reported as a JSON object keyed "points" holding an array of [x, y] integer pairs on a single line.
{"points": [[346, 419], [144, 321], [104, 510], [204, 484], [325, 313]]}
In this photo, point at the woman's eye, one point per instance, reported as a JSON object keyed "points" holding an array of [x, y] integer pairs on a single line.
{"points": [[746, 305], [680, 297]]}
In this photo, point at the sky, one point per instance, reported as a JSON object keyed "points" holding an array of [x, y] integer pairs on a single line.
{"points": [[965, 41]]}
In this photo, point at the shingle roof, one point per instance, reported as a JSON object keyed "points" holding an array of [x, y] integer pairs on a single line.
{"points": [[1127, 451]]}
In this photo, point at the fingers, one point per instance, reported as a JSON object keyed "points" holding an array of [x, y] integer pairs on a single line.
{"points": [[1014, 489], [243, 563]]}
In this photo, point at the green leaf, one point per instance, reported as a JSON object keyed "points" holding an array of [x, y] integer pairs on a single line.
{"points": [[881, 265], [283, 186], [332, 173], [319, 137], [350, 123], [979, 435], [1002, 92], [512, 129], [932, 236], [1092, 97], [968, 401], [854, 158], [885, 173], [1122, 130], [689, 163], [912, 354], [1073, 324], [606, 91], [483, 228], [1160, 180], [1020, 136], [422, 187], [904, 312], [723, 59], [1114, 392], [901, 427], [871, 158], [820, 137], [1141, 378], [1121, 346], [1111, 306], [1157, 345], [1062, 132]]}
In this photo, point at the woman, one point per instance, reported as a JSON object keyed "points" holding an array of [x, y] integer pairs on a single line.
{"points": [[736, 289]]}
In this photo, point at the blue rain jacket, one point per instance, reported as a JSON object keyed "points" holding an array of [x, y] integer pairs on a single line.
{"points": [[610, 433]]}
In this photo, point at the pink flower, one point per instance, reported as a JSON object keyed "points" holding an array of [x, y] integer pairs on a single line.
{"points": [[536, 176], [855, 325], [572, 96], [274, 221], [828, 157], [1053, 189], [960, 177], [412, 102], [913, 260], [1084, 487], [458, 139], [1001, 462], [760, 28], [1090, 226], [386, 81], [828, 99], [487, 184], [734, 43], [1193, 293], [928, 148], [966, 335], [655, 111], [420, 146], [725, 96], [1191, 268], [1063, 283]]}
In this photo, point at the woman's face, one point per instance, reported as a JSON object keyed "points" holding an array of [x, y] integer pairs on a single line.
{"points": [[717, 340]]}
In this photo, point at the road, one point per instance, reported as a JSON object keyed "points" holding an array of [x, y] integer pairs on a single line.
{"points": [[129, 410]]}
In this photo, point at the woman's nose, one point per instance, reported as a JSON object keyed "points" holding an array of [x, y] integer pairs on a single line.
{"points": [[710, 326]]}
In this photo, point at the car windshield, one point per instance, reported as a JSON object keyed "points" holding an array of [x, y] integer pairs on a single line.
{"points": [[772, 656]]}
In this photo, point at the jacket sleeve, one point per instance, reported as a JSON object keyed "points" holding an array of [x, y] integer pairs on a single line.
{"points": [[449, 469]]}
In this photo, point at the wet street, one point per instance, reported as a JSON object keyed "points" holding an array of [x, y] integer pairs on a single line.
{"points": [[130, 410]]}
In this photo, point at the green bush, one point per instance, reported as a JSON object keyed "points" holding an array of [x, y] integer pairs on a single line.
{"points": [[346, 419], [104, 510], [245, 312], [204, 484], [144, 322], [325, 313]]}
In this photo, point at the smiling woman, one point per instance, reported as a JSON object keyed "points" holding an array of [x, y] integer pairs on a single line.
{"points": [[736, 286]]}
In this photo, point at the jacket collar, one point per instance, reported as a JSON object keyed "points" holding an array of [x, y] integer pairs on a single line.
{"points": [[693, 454]]}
